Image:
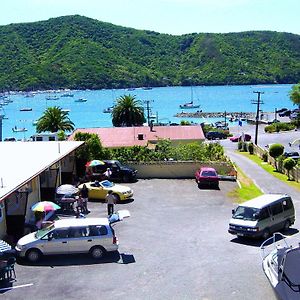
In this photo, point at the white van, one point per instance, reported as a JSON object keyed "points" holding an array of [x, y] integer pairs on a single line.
{"points": [[72, 235], [262, 216]]}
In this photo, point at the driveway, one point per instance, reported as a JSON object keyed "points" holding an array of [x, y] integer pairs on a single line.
{"points": [[175, 245]]}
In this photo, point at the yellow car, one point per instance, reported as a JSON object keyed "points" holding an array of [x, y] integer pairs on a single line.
{"points": [[99, 190]]}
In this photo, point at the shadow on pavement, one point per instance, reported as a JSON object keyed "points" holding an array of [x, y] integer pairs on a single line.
{"points": [[257, 242], [79, 259]]}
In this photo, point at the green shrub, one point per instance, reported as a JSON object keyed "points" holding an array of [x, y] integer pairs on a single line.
{"points": [[240, 145], [289, 163], [251, 148], [276, 127], [265, 156]]}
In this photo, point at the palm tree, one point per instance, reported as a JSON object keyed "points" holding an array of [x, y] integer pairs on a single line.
{"points": [[128, 112], [53, 120]]}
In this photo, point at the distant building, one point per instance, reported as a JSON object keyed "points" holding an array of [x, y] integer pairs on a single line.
{"points": [[143, 136], [45, 137]]}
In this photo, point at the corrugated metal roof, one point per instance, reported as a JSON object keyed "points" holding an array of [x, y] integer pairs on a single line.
{"points": [[129, 136], [21, 161]]}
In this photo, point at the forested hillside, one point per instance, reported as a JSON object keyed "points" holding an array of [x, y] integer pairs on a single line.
{"points": [[78, 52]]}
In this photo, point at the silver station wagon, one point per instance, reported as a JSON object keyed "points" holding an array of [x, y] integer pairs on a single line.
{"points": [[73, 235]]}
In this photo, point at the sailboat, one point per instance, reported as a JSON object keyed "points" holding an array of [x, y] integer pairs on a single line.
{"points": [[189, 105]]}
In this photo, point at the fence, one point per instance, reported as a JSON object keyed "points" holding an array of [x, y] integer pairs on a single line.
{"points": [[180, 169], [294, 173]]}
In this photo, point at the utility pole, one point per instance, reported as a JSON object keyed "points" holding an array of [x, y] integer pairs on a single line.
{"points": [[148, 108], [257, 102]]}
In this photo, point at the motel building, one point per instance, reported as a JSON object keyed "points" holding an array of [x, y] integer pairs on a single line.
{"points": [[30, 172]]}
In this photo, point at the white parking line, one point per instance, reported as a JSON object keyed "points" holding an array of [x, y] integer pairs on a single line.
{"points": [[16, 287]]}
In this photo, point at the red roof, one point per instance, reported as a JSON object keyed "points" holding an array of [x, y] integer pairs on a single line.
{"points": [[130, 136]]}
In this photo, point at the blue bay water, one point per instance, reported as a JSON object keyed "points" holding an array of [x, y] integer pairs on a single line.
{"points": [[164, 102]]}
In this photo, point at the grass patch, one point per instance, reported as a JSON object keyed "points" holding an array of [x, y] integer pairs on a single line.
{"points": [[270, 169], [248, 189]]}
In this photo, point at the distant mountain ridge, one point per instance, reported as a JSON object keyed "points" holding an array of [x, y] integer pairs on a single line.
{"points": [[79, 52]]}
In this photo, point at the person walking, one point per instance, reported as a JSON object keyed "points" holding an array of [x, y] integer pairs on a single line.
{"points": [[111, 201], [84, 194]]}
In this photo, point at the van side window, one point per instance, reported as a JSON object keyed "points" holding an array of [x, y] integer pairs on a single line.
{"points": [[76, 232], [287, 204], [264, 214], [276, 208], [97, 230], [60, 233]]}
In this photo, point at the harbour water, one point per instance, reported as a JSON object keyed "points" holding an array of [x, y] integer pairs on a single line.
{"points": [[164, 103]]}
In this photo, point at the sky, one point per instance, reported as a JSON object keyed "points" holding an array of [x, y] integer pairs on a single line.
{"points": [[165, 16]]}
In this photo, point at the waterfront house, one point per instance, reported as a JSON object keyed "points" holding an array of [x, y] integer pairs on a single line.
{"points": [[144, 136]]}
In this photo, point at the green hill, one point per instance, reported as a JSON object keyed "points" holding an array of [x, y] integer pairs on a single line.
{"points": [[78, 52]]}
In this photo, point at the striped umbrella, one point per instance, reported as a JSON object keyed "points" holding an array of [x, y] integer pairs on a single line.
{"points": [[94, 163], [45, 206]]}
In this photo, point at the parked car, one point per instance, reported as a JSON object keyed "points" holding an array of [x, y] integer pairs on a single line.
{"points": [[99, 190], [295, 155], [285, 113], [238, 138], [71, 235], [214, 135], [119, 172], [207, 176], [262, 216]]}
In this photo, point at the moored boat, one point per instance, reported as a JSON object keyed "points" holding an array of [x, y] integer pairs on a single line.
{"points": [[52, 97], [26, 109], [16, 129], [189, 105], [81, 100], [280, 262], [108, 110]]}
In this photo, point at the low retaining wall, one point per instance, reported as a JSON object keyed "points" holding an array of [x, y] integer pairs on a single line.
{"points": [[179, 169]]}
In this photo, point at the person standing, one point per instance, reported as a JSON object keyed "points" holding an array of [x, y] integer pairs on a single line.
{"points": [[111, 201], [84, 194]]}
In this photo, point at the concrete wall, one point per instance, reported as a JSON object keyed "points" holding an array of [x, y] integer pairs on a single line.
{"points": [[2, 220], [177, 169], [33, 197]]}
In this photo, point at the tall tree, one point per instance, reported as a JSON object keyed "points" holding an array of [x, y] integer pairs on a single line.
{"points": [[53, 120], [128, 112], [295, 94]]}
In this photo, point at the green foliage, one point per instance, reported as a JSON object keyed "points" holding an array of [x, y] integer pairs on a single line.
{"points": [[276, 150], [185, 122], [276, 127], [78, 52], [128, 112], [61, 135], [289, 163], [265, 156], [92, 148], [251, 148], [53, 120], [164, 150], [295, 94]]}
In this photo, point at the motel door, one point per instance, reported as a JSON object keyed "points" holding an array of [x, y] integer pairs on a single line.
{"points": [[15, 207]]}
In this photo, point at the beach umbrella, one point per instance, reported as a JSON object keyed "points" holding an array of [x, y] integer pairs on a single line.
{"points": [[66, 189], [94, 163], [4, 246], [45, 206]]}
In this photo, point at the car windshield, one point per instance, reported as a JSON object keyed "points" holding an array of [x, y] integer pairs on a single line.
{"points": [[208, 173], [107, 183], [41, 232], [246, 213]]}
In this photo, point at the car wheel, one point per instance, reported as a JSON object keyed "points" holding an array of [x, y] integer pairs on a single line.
{"points": [[33, 255], [287, 225], [266, 234], [97, 252]]}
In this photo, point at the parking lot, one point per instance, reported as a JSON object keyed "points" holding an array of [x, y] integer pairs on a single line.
{"points": [[175, 245]]}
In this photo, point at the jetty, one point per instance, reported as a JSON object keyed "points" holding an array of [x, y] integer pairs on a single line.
{"points": [[229, 115]]}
